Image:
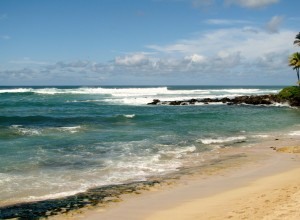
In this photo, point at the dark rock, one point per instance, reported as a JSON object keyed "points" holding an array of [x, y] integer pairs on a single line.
{"points": [[154, 102], [225, 100], [294, 102], [175, 103], [250, 100], [206, 100], [193, 101]]}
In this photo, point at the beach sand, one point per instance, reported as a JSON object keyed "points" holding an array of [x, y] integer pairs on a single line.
{"points": [[266, 187]]}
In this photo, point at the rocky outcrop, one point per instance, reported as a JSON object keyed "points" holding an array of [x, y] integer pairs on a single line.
{"points": [[250, 100]]}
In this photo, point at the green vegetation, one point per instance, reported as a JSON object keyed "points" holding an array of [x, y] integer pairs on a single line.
{"points": [[292, 92]]}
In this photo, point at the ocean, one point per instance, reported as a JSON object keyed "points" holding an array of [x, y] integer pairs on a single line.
{"points": [[59, 141]]}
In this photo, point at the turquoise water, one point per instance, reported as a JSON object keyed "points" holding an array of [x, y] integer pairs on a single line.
{"points": [[57, 141]]}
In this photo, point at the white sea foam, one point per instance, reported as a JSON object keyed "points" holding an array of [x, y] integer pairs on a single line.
{"points": [[221, 140], [142, 167], [294, 133], [26, 131], [83, 101], [39, 131], [245, 91], [15, 126], [127, 92], [286, 104], [73, 129], [20, 188], [16, 90], [261, 136], [178, 152], [4, 178], [55, 195], [130, 101], [120, 92], [129, 116], [134, 167], [143, 95], [211, 103]]}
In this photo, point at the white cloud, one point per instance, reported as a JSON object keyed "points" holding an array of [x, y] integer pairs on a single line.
{"points": [[195, 58], [231, 51], [273, 61], [132, 60], [74, 64], [250, 44], [273, 25], [251, 3], [181, 46], [24, 73], [79, 66]]}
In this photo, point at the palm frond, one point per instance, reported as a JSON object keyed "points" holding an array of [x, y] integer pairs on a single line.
{"points": [[294, 60], [297, 40]]}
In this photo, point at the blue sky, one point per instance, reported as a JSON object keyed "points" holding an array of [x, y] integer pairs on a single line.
{"points": [[147, 42]]}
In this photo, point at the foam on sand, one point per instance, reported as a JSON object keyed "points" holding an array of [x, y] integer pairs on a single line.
{"points": [[221, 140]]}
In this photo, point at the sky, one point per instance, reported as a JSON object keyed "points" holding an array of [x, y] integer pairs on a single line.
{"points": [[148, 42]]}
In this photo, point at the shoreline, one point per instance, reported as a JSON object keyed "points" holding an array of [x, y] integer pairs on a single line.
{"points": [[106, 200], [228, 189]]}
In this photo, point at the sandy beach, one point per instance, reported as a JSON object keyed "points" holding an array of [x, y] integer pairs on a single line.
{"points": [[264, 186]]}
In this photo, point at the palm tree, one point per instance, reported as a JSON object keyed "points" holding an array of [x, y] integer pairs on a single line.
{"points": [[294, 61], [297, 41]]}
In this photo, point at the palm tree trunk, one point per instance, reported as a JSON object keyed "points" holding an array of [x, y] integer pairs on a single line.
{"points": [[298, 76]]}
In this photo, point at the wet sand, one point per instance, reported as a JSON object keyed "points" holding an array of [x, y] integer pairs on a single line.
{"points": [[263, 185]]}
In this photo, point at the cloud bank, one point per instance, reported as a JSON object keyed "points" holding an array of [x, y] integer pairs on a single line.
{"points": [[231, 52]]}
